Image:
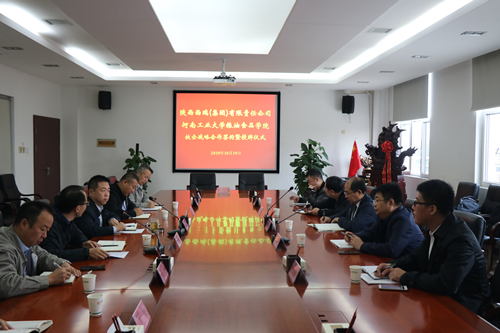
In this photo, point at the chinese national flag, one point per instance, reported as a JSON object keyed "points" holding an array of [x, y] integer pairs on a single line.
{"points": [[355, 161]]}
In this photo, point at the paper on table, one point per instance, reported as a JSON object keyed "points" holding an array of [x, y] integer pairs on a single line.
{"points": [[322, 227], [130, 226], [154, 208], [370, 270], [70, 280], [369, 280], [143, 216], [112, 246], [341, 244], [119, 255], [138, 231]]}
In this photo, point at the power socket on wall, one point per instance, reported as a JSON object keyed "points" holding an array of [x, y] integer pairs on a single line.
{"points": [[22, 150]]}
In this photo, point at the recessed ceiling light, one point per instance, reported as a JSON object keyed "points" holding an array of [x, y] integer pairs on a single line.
{"points": [[12, 48], [76, 77], [288, 85], [114, 64], [379, 30], [328, 68], [57, 22], [473, 33], [420, 56], [51, 65], [228, 26], [363, 81], [386, 72]]}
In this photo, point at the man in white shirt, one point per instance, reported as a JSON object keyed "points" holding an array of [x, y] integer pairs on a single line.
{"points": [[139, 196]]}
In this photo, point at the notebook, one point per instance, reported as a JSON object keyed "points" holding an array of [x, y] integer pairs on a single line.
{"points": [[112, 246], [70, 280]]}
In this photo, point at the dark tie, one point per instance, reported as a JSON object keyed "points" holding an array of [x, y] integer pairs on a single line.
{"points": [[30, 268]]}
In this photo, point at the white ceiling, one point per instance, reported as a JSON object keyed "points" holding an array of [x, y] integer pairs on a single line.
{"points": [[317, 34]]}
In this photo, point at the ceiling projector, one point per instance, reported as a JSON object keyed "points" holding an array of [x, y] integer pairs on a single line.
{"points": [[224, 79]]}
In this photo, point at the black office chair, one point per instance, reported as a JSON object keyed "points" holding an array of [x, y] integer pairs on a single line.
{"points": [[8, 211], [466, 189], [475, 222], [202, 181], [9, 188], [371, 191], [251, 181]]}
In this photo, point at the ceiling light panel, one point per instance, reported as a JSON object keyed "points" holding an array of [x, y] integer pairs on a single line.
{"points": [[222, 26]]}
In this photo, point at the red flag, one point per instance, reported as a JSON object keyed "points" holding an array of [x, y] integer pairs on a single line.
{"points": [[355, 161]]}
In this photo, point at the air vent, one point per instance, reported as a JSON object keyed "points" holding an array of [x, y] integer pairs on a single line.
{"points": [[153, 82], [473, 33], [328, 68], [420, 56], [386, 72], [76, 77], [114, 64], [379, 30], [57, 22], [12, 48], [288, 85], [363, 81], [51, 65]]}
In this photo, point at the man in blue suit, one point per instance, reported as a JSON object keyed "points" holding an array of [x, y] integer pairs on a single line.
{"points": [[359, 214]]}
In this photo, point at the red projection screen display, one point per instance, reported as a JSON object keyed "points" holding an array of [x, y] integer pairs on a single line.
{"points": [[226, 131]]}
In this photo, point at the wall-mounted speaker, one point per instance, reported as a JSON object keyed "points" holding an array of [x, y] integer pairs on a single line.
{"points": [[104, 100], [348, 104]]}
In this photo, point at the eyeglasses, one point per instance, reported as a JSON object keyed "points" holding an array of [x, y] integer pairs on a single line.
{"points": [[377, 201], [85, 203], [347, 193], [415, 203]]}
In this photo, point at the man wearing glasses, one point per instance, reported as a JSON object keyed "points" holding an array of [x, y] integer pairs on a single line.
{"points": [[70, 204], [359, 214], [449, 261], [395, 233]]}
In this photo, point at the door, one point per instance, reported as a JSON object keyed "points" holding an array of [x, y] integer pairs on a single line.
{"points": [[46, 138]]}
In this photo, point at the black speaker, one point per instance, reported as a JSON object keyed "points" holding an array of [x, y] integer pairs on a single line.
{"points": [[104, 100], [348, 104]]}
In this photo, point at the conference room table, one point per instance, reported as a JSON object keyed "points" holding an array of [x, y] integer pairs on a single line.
{"points": [[228, 277]]}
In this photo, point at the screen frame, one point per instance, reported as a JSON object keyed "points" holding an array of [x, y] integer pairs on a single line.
{"points": [[278, 131]]}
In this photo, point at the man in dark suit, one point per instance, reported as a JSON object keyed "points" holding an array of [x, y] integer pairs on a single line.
{"points": [[395, 233], [315, 193], [96, 220], [334, 188], [119, 202], [359, 214], [449, 261]]}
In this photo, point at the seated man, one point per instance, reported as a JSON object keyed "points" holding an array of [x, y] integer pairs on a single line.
{"points": [[334, 188], [71, 204], [359, 214], [95, 220], [315, 194], [395, 233], [449, 261], [139, 197], [119, 201], [22, 260]]}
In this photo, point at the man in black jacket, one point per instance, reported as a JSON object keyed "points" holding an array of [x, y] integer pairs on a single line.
{"points": [[96, 220], [119, 201], [71, 203], [315, 194], [449, 261], [334, 188]]}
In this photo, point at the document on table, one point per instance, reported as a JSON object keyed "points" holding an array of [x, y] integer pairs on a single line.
{"points": [[370, 270], [325, 227], [112, 246], [153, 209], [70, 280], [369, 280], [341, 244], [137, 231], [143, 216], [119, 255], [131, 226]]}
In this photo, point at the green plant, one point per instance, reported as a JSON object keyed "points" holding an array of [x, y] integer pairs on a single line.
{"points": [[312, 157], [137, 158]]}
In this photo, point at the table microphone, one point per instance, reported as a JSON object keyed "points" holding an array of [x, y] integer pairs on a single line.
{"points": [[286, 240], [153, 249], [266, 217], [181, 231]]}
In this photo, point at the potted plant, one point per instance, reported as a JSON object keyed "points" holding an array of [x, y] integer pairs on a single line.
{"points": [[311, 157], [136, 159]]}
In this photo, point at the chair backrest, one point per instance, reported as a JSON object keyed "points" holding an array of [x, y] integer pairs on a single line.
{"points": [[409, 204], [402, 185], [202, 181], [466, 189], [475, 222], [251, 181], [492, 200], [9, 187], [112, 179], [370, 191]]}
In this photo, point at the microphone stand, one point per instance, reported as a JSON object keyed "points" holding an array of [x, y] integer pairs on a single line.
{"points": [[181, 231], [285, 239], [153, 249], [266, 217]]}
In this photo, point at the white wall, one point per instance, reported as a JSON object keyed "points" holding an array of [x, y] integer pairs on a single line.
{"points": [[144, 115], [31, 96]]}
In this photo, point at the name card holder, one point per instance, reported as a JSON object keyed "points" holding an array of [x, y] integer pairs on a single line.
{"points": [[296, 274], [260, 211], [195, 202], [278, 241], [177, 240], [162, 273], [166, 261], [141, 315], [270, 225], [256, 201]]}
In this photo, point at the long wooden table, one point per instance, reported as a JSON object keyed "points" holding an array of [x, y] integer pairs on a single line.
{"points": [[228, 277]]}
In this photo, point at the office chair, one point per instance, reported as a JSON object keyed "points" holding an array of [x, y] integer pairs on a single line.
{"points": [[202, 181], [251, 181], [466, 189], [9, 188]]}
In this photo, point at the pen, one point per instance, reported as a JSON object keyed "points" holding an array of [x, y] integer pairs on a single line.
{"points": [[56, 264]]}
